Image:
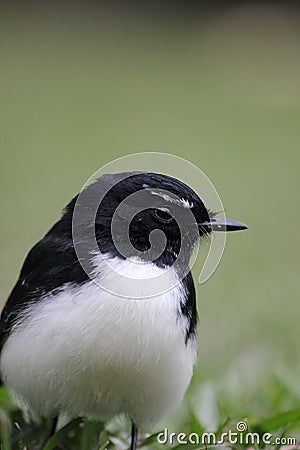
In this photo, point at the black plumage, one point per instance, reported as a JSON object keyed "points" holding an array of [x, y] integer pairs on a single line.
{"points": [[53, 262]]}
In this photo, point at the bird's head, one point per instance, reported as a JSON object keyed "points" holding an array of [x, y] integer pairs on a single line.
{"points": [[153, 216]]}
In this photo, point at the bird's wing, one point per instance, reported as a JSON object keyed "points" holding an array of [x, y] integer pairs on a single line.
{"points": [[51, 263], [189, 308]]}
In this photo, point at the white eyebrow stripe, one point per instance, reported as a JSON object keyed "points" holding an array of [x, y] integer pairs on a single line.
{"points": [[183, 202], [186, 203]]}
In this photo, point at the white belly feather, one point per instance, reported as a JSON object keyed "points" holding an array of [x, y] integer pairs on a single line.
{"points": [[86, 351]]}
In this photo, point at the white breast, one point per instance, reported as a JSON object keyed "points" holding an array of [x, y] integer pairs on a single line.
{"points": [[86, 351]]}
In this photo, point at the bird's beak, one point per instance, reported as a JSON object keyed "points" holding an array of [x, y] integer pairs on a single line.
{"points": [[222, 224]]}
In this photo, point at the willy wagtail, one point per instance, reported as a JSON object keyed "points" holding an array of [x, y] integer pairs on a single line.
{"points": [[120, 336]]}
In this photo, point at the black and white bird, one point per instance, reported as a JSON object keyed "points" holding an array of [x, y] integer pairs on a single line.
{"points": [[70, 346]]}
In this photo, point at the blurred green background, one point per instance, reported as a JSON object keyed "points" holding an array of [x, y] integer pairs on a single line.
{"points": [[81, 86]]}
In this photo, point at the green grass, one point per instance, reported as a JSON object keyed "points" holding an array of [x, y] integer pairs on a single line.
{"points": [[211, 408], [80, 90]]}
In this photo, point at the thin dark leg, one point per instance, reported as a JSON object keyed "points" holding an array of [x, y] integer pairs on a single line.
{"points": [[53, 427], [134, 436]]}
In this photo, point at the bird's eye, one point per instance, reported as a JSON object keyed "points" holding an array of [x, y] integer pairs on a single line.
{"points": [[163, 215]]}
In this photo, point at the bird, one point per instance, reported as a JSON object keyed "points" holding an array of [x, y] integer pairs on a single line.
{"points": [[121, 336]]}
